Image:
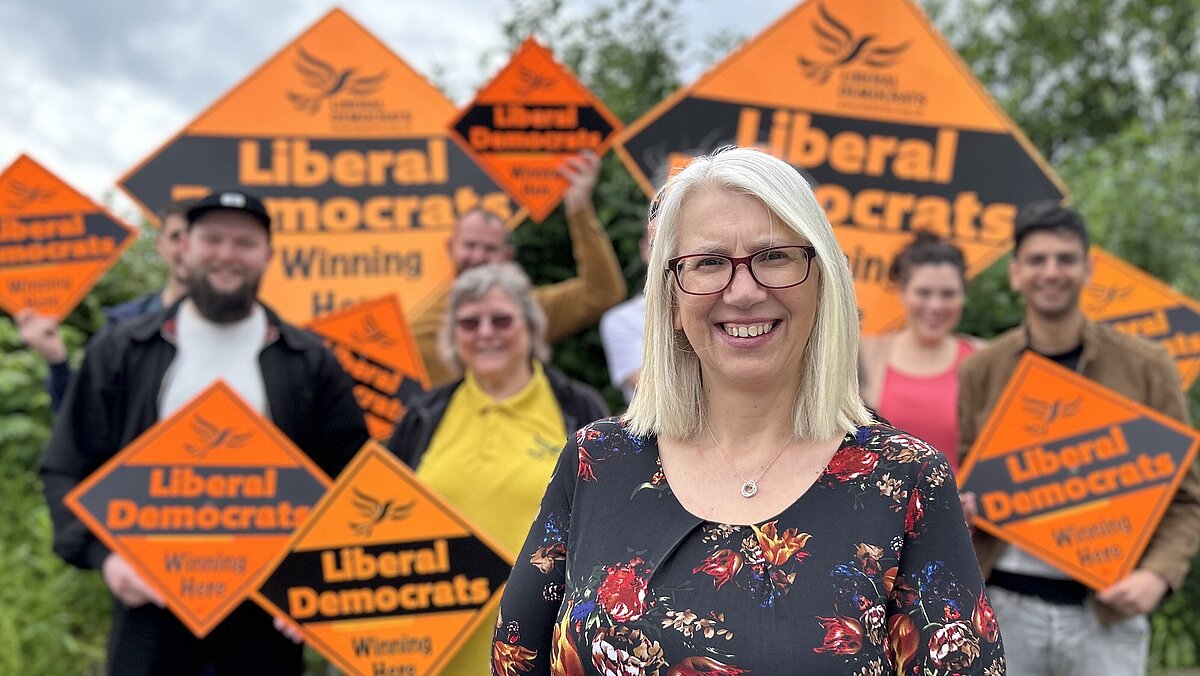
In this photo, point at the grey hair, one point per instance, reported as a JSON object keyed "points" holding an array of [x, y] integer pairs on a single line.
{"points": [[669, 400], [473, 285]]}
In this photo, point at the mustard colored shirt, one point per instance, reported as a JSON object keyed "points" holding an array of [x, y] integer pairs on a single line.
{"points": [[492, 460]]}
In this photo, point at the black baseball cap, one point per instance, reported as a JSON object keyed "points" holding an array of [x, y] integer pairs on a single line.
{"points": [[234, 200]]}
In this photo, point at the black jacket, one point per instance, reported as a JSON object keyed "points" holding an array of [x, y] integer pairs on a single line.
{"points": [[114, 398], [580, 404]]}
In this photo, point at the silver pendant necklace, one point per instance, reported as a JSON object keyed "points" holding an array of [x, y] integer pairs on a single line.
{"points": [[749, 486]]}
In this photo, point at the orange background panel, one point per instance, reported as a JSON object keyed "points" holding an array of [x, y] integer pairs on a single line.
{"points": [[445, 632], [29, 191], [145, 553], [768, 69], [291, 94], [1083, 407], [377, 329], [533, 77]]}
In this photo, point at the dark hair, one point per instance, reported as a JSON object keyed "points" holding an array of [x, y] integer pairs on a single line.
{"points": [[176, 208], [927, 248], [1049, 216]]}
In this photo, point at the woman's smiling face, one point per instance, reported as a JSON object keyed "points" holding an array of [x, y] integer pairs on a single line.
{"points": [[746, 334]]}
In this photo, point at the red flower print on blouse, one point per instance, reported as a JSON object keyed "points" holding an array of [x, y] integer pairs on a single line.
{"points": [[902, 641], [776, 548], [723, 565], [983, 619], [704, 666], [585, 466], [914, 514], [843, 636], [954, 646], [623, 592], [852, 462]]}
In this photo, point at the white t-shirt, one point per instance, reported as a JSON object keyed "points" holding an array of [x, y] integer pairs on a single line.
{"points": [[621, 335], [206, 351]]}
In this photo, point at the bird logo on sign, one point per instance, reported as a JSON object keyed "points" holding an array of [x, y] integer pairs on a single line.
{"points": [[372, 333], [842, 48], [212, 437], [1100, 296], [325, 82], [22, 195], [532, 81], [374, 512], [1048, 412]]}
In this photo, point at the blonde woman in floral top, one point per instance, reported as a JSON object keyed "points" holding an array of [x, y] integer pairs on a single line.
{"points": [[747, 516]]}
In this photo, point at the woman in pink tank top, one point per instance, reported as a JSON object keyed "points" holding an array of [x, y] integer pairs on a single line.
{"points": [[910, 376]]}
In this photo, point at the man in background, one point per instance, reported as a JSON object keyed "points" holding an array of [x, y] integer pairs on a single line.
{"points": [[1053, 624], [142, 371], [571, 305]]}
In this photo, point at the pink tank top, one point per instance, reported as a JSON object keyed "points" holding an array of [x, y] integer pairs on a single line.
{"points": [[926, 406]]}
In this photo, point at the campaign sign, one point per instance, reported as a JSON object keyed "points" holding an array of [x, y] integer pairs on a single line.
{"points": [[348, 147], [385, 577], [374, 345], [55, 244], [202, 504], [889, 126], [1074, 473], [1133, 302], [525, 121]]}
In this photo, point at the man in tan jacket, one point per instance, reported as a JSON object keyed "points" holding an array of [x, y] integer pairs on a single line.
{"points": [[571, 305], [1052, 624]]}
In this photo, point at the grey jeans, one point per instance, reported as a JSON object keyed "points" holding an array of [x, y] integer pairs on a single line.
{"points": [[1046, 639]]}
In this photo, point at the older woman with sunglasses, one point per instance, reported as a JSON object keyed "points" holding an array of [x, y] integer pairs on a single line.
{"points": [[488, 442], [747, 515]]}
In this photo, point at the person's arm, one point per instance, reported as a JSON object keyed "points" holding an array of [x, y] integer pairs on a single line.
{"points": [[577, 303], [621, 337], [341, 424], [85, 435], [938, 615], [526, 632], [1169, 554], [41, 334]]}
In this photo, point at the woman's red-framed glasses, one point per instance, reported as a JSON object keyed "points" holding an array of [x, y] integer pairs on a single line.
{"points": [[777, 267]]}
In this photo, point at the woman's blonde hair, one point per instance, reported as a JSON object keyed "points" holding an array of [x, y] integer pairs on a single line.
{"points": [[669, 400]]}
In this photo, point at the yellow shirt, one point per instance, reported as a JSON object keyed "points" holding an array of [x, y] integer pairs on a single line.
{"points": [[492, 460]]}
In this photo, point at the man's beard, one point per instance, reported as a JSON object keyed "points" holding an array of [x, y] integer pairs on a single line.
{"points": [[222, 307]]}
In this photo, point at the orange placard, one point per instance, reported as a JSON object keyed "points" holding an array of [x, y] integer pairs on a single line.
{"points": [[1133, 302], [386, 578], [373, 343], [348, 147], [525, 121], [55, 243], [1074, 473], [202, 504], [869, 102]]}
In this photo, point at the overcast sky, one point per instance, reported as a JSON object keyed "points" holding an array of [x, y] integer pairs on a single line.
{"points": [[90, 88]]}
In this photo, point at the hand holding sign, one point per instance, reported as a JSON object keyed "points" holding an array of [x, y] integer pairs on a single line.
{"points": [[126, 585], [41, 334], [1137, 594], [582, 170]]}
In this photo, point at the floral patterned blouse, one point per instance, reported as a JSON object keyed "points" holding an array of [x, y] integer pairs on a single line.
{"points": [[870, 572]]}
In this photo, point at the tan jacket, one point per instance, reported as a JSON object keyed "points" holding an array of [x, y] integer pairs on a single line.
{"points": [[1133, 367], [571, 305]]}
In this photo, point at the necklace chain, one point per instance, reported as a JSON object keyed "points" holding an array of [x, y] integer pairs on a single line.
{"points": [[749, 486]]}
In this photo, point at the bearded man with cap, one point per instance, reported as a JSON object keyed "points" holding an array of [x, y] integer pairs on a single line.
{"points": [[141, 371]]}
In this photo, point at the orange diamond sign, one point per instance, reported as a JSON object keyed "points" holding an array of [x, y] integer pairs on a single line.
{"points": [[55, 244], [202, 503], [1138, 304], [889, 126], [374, 345], [1074, 473], [385, 577], [348, 147], [527, 120]]}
